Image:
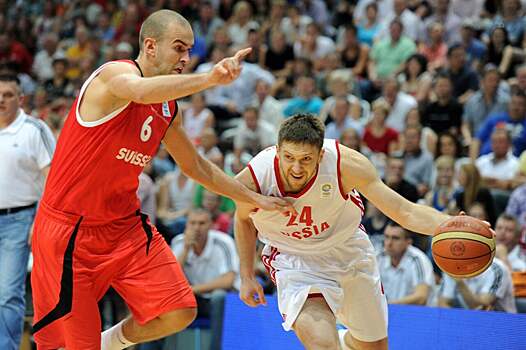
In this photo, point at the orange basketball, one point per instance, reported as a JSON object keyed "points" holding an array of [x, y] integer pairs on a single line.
{"points": [[463, 246]]}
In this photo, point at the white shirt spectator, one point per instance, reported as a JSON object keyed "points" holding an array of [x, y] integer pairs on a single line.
{"points": [[270, 111], [218, 258], [264, 136], [504, 169], [26, 147], [43, 65], [385, 9], [324, 46], [180, 196], [413, 26], [517, 259], [414, 269], [403, 104], [333, 131], [496, 280]]}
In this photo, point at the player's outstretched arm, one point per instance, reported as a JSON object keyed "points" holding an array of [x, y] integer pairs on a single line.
{"points": [[246, 235], [203, 171], [358, 172], [123, 81]]}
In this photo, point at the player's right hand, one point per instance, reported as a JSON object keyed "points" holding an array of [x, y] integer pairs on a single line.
{"points": [[274, 203], [251, 292]]}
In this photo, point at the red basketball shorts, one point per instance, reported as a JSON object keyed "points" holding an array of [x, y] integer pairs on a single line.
{"points": [[76, 261]]}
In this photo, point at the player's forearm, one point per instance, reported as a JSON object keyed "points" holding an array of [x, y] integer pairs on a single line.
{"points": [[245, 235], [422, 219], [225, 281], [215, 180], [168, 87]]}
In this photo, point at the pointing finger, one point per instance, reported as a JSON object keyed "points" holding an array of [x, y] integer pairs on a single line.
{"points": [[241, 54]]}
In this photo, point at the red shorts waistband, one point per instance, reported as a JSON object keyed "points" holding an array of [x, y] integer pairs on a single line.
{"points": [[73, 219]]}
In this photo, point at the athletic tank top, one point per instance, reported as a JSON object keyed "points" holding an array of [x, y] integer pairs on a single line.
{"points": [[326, 215], [96, 166]]}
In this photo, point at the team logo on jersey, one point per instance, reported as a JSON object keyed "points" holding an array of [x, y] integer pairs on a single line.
{"points": [[326, 191]]}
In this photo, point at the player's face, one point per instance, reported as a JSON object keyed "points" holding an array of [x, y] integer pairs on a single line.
{"points": [[298, 163], [173, 49], [10, 99]]}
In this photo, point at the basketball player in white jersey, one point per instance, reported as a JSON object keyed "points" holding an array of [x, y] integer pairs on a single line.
{"points": [[321, 259]]}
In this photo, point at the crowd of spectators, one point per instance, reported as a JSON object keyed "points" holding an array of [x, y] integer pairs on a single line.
{"points": [[432, 91]]}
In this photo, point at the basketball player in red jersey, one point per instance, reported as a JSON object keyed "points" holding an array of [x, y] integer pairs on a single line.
{"points": [[89, 234]]}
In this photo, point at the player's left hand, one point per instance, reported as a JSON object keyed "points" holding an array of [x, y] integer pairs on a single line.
{"points": [[274, 203]]}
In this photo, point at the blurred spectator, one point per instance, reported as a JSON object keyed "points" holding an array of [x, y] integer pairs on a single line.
{"points": [[13, 51], [516, 206], [519, 82], [123, 51], [375, 223], [445, 113], [206, 23], [59, 85], [475, 49], [174, 200], [491, 290], [368, 25], [306, 100], [464, 78], [449, 145], [499, 51], [412, 25], [77, 52], [486, 101], [294, 25], [478, 211], [278, 57], [406, 272], [339, 87], [415, 80], [467, 8], [377, 136], [253, 135], [312, 45], [147, 195], [105, 30], [441, 197], [435, 50], [270, 109], [354, 55], [450, 21], [428, 138], [341, 119], [510, 18], [315, 9], [499, 167], [26, 148], [389, 54], [221, 221], [384, 8], [394, 178], [400, 104], [507, 234], [472, 190], [514, 120], [197, 117], [43, 63], [418, 164], [210, 262], [351, 138], [240, 23]]}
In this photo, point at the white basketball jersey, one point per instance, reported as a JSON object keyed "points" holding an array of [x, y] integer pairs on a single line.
{"points": [[326, 215]]}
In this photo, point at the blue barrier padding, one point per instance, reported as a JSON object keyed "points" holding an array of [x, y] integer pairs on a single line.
{"points": [[410, 328]]}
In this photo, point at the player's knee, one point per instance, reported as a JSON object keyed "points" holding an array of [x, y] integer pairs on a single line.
{"points": [[178, 320], [317, 337], [373, 345]]}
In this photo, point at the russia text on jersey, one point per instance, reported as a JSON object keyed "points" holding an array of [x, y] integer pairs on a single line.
{"points": [[133, 157], [308, 231]]}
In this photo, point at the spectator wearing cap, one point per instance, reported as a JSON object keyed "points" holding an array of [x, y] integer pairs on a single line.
{"points": [[514, 120], [465, 79], [475, 49], [26, 149], [488, 100]]}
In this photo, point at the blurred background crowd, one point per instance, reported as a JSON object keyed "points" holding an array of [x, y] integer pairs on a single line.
{"points": [[432, 91]]}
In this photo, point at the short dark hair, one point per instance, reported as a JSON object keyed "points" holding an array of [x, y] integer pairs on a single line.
{"points": [[454, 47], [302, 128], [407, 234], [10, 78]]}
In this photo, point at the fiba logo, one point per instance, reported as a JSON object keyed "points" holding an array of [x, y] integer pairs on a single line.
{"points": [[146, 130], [457, 248], [326, 190]]}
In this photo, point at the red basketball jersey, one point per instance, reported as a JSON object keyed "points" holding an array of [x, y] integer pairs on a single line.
{"points": [[95, 169]]}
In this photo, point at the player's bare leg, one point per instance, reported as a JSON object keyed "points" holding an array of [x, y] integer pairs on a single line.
{"points": [[129, 332], [355, 344], [316, 326]]}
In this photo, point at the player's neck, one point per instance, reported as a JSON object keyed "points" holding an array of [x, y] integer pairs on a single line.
{"points": [[146, 68]]}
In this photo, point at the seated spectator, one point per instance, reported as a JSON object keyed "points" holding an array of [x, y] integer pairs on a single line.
{"points": [[472, 190], [174, 200], [442, 193], [436, 50], [197, 117], [514, 120], [418, 163], [368, 25], [465, 79], [400, 104], [507, 234], [394, 178], [412, 24], [59, 85], [341, 120], [445, 113], [220, 221], [478, 211], [352, 139], [306, 100], [270, 109], [43, 63], [406, 272], [340, 86], [510, 17], [519, 82], [241, 22], [488, 100], [162, 163], [210, 262], [253, 135], [491, 290], [279, 56], [450, 21], [415, 80], [206, 23], [389, 54], [448, 145], [498, 51], [13, 51], [313, 45], [354, 55], [499, 168], [475, 49], [375, 223], [516, 206], [377, 136], [428, 139], [208, 144]]}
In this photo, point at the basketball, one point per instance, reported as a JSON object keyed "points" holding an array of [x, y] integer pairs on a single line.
{"points": [[463, 247]]}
